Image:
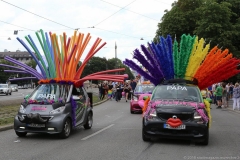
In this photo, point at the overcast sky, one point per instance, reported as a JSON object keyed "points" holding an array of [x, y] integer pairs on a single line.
{"points": [[122, 21]]}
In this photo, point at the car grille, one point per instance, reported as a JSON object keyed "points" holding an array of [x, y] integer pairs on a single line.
{"points": [[44, 117], [183, 117]]}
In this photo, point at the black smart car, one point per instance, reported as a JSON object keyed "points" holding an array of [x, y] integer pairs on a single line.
{"points": [[176, 110]]}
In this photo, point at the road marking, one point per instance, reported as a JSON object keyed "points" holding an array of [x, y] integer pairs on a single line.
{"points": [[97, 132]]}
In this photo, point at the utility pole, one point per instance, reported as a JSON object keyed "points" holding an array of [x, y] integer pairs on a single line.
{"points": [[115, 50]]}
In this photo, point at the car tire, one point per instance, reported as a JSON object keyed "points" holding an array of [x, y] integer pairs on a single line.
{"points": [[21, 134], [67, 129], [89, 122], [144, 138], [10, 93]]}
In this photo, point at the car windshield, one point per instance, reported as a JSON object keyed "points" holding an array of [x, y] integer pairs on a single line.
{"points": [[54, 92], [178, 92], [144, 88], [3, 86]]}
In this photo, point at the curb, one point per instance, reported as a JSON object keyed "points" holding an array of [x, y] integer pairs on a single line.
{"points": [[10, 126]]}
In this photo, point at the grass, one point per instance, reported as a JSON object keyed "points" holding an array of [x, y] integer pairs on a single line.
{"points": [[7, 113]]}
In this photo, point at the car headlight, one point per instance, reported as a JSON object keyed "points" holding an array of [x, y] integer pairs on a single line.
{"points": [[152, 115], [22, 109], [58, 110], [135, 98], [197, 117]]}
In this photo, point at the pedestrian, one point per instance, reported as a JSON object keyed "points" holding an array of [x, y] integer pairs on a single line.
{"points": [[224, 96], [118, 92], [236, 97], [219, 91], [126, 89], [231, 86], [110, 88], [133, 85]]}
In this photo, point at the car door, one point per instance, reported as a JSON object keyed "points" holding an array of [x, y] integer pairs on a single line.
{"points": [[81, 103]]}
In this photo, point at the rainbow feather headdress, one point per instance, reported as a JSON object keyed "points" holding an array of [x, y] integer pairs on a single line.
{"points": [[191, 59], [59, 62]]}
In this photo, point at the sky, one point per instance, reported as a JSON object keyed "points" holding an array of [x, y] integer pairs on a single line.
{"points": [[123, 23]]}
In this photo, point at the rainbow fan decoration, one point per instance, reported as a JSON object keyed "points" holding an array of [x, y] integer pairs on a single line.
{"points": [[60, 57], [191, 58]]}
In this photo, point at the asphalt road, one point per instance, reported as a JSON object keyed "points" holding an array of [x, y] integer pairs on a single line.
{"points": [[116, 135], [20, 94]]}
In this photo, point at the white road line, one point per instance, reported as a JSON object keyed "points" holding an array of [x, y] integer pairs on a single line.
{"points": [[97, 132]]}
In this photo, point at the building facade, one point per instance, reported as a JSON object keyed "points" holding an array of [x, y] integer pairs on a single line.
{"points": [[22, 56]]}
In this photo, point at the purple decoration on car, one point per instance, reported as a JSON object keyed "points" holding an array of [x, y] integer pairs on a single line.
{"points": [[34, 57], [22, 78], [74, 107]]}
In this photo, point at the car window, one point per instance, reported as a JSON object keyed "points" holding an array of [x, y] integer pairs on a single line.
{"points": [[54, 92], [186, 93], [144, 88]]}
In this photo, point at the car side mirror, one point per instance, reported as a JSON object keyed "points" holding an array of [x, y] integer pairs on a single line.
{"points": [[26, 97], [145, 97]]}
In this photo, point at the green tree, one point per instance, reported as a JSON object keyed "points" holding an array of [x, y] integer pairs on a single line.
{"points": [[216, 25], [179, 20]]}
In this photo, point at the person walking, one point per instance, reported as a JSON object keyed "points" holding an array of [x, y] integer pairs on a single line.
{"points": [[118, 92], [126, 89], [219, 91], [236, 97], [224, 96]]}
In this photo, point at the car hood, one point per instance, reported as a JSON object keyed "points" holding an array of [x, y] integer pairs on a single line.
{"points": [[42, 109], [176, 106]]}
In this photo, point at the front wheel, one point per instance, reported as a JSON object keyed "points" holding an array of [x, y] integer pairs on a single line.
{"points": [[89, 122], [21, 134], [67, 128]]}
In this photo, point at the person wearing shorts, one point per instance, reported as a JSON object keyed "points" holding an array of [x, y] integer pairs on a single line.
{"points": [[219, 92]]}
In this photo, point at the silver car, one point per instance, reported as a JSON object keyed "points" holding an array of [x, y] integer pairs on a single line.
{"points": [[54, 109]]}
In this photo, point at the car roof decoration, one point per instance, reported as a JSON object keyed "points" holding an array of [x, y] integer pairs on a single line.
{"points": [[59, 61], [191, 57]]}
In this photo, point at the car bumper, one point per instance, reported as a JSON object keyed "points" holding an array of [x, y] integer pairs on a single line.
{"points": [[193, 131], [135, 106], [53, 126]]}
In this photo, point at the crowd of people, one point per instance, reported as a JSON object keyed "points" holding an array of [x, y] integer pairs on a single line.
{"points": [[221, 93], [117, 90]]}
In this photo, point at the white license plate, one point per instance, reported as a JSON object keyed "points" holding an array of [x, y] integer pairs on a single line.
{"points": [[36, 125], [170, 127]]}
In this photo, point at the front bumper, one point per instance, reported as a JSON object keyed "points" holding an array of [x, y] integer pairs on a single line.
{"points": [[193, 131], [53, 126], [135, 106]]}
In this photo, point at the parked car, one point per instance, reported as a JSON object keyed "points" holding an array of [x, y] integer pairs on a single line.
{"points": [[137, 101], [14, 87], [5, 89], [176, 110], [54, 109]]}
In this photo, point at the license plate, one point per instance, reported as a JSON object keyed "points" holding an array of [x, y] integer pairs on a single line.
{"points": [[178, 127], [36, 125]]}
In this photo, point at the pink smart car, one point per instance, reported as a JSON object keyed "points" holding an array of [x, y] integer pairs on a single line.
{"points": [[137, 101]]}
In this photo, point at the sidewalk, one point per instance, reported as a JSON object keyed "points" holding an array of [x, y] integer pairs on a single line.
{"points": [[10, 126]]}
